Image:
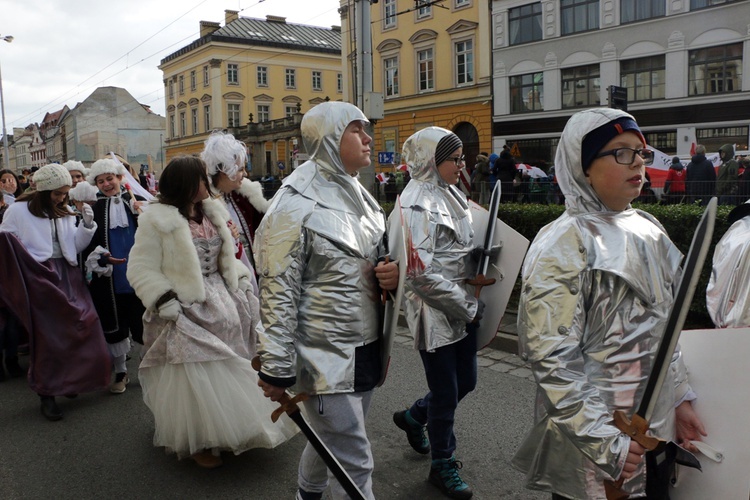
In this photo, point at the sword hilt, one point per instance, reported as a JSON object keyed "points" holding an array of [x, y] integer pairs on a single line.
{"points": [[480, 281], [636, 428], [287, 404]]}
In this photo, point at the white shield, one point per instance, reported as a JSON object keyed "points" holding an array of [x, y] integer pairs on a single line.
{"points": [[717, 363], [504, 270]]}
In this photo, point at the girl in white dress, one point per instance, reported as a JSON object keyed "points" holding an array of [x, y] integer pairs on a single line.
{"points": [[199, 327]]}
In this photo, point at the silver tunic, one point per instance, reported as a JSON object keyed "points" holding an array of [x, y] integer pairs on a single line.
{"points": [[439, 303], [319, 243], [727, 295], [597, 290]]}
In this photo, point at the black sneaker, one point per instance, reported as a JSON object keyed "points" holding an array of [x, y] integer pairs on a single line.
{"points": [[415, 432], [307, 495], [444, 475]]}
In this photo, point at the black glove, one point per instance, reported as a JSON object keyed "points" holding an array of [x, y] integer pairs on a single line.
{"points": [[480, 311]]}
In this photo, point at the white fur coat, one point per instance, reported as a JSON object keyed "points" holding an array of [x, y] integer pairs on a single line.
{"points": [[253, 191], [164, 257]]}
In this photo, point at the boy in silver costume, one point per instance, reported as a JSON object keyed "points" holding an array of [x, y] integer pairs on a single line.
{"points": [[318, 256], [597, 290]]}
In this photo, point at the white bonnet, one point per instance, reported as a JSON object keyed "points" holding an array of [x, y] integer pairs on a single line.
{"points": [[104, 166]]}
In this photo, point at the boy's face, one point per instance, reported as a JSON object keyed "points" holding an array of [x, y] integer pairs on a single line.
{"points": [[355, 147], [616, 184], [450, 169], [227, 184], [109, 184]]}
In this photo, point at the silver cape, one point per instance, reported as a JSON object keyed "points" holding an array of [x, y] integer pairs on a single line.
{"points": [[597, 290], [318, 245], [439, 303], [727, 295]]}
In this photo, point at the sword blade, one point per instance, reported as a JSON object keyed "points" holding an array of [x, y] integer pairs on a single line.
{"points": [[684, 296], [489, 235], [330, 460]]}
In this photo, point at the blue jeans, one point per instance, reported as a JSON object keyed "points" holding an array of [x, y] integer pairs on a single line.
{"points": [[451, 373]]}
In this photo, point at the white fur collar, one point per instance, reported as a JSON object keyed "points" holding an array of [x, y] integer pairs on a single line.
{"points": [[253, 191]]}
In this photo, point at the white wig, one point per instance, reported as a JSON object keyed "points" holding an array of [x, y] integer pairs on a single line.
{"points": [[73, 166], [223, 153]]}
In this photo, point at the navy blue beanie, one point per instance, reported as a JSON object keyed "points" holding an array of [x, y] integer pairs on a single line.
{"points": [[600, 136]]}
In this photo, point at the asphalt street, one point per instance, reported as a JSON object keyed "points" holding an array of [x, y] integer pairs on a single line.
{"points": [[103, 447]]}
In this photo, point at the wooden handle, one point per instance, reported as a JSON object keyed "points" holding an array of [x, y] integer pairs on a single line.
{"points": [[480, 281], [287, 404], [636, 429]]}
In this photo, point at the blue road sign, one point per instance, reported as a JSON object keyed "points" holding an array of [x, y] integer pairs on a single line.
{"points": [[385, 157]]}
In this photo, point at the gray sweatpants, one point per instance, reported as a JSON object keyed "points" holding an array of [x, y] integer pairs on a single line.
{"points": [[339, 420]]}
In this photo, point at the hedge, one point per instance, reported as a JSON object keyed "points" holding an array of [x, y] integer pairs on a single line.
{"points": [[679, 221]]}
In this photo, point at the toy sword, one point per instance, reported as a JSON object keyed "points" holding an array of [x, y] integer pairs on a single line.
{"points": [[637, 427], [481, 279], [289, 406]]}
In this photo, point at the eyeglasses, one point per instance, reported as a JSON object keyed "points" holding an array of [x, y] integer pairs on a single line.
{"points": [[626, 156], [457, 159]]}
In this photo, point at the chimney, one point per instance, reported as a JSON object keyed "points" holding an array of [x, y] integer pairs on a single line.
{"points": [[230, 15], [276, 19], [208, 27]]}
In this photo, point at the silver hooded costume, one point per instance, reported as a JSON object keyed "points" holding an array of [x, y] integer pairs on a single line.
{"points": [[439, 303], [727, 295], [597, 291], [319, 243]]}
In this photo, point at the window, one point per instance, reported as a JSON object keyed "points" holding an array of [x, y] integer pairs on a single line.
{"points": [[233, 115], [183, 125], [317, 80], [262, 76], [462, 3], [290, 110], [424, 9], [702, 4], [171, 89], [207, 117], [638, 10], [390, 66], [181, 84], [339, 83], [264, 113], [232, 74], [644, 78], [579, 15], [581, 86], [425, 65], [389, 14], [171, 126], [715, 70], [194, 120], [291, 78], [525, 23], [664, 141], [206, 77], [192, 80], [464, 62], [527, 93]]}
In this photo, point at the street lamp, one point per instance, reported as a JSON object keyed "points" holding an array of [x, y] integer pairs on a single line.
{"points": [[6, 154]]}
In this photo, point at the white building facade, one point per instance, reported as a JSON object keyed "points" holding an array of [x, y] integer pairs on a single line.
{"points": [[685, 65]]}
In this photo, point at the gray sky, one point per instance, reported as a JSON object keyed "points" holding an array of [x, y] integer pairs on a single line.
{"points": [[64, 49]]}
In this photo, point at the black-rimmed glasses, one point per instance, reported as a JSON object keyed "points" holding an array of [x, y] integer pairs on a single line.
{"points": [[626, 156], [458, 160]]}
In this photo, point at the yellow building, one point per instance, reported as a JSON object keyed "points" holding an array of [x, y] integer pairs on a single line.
{"points": [[431, 62], [250, 77]]}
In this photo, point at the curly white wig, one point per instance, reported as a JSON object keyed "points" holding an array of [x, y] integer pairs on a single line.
{"points": [[223, 153], [104, 166], [73, 165]]}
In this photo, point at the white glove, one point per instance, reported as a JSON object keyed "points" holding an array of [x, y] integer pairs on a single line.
{"points": [[88, 215], [170, 310], [245, 284]]}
